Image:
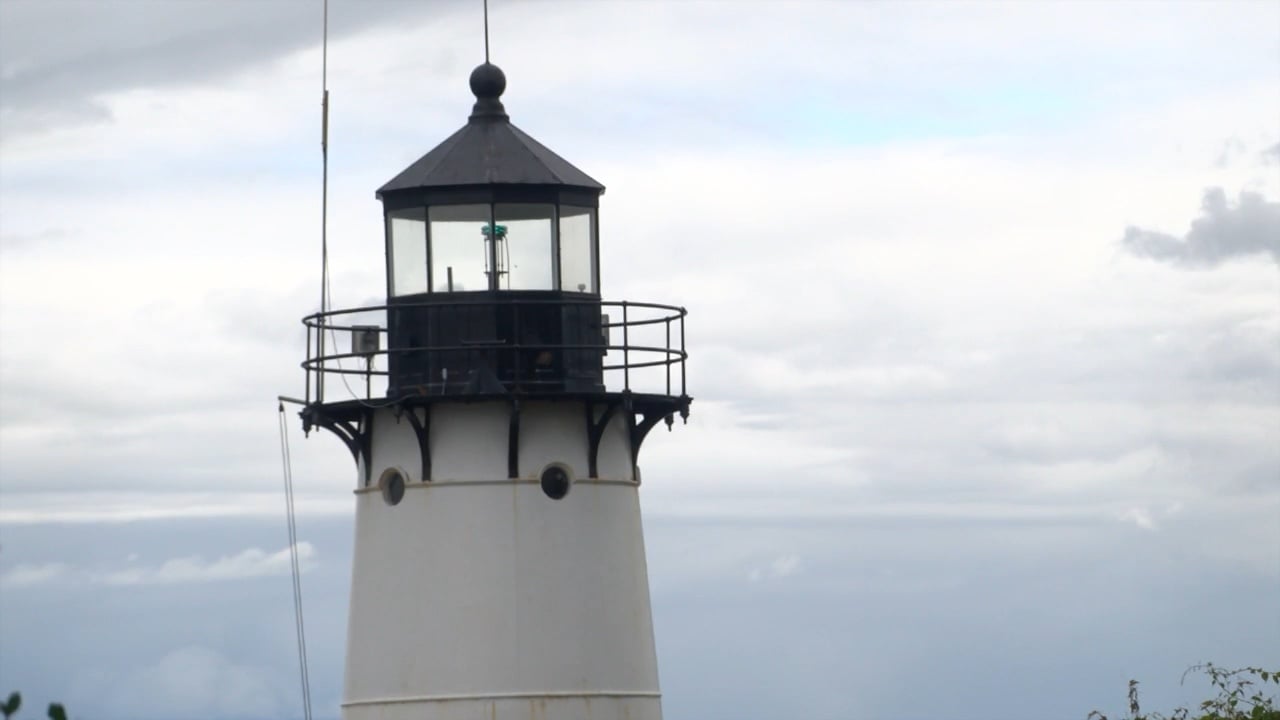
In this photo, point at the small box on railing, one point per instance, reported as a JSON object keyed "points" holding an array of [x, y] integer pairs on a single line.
{"points": [[366, 340]]}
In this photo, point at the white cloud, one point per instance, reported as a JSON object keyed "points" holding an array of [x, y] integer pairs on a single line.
{"points": [[1139, 516], [192, 683], [251, 563], [785, 565], [21, 576], [121, 507], [248, 564], [778, 568]]}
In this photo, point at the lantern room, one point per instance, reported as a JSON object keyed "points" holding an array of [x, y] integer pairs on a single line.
{"points": [[493, 262], [491, 209]]}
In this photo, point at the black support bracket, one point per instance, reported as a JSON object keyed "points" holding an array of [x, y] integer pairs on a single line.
{"points": [[422, 430], [352, 421], [513, 440], [356, 434], [595, 432], [641, 427]]}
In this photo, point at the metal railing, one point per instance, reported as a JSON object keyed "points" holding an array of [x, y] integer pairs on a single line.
{"points": [[649, 359]]}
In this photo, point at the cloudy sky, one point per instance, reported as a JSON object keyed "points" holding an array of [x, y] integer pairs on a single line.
{"points": [[984, 313]]}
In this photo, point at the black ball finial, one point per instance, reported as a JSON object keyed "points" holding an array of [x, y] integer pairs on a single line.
{"points": [[488, 82]]}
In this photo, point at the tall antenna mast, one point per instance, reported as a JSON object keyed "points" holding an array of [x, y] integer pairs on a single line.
{"points": [[324, 195], [486, 30]]}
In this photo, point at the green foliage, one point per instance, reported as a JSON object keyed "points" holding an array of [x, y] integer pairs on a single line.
{"points": [[1239, 695], [14, 703]]}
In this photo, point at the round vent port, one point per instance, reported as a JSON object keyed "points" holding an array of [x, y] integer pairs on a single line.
{"points": [[392, 484], [555, 481]]}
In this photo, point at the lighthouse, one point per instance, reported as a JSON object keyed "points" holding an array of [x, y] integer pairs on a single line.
{"points": [[495, 407]]}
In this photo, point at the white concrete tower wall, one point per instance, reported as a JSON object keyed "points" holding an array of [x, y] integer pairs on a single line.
{"points": [[478, 596]]}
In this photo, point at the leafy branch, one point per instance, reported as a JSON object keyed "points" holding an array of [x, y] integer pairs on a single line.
{"points": [[11, 706], [1239, 694]]}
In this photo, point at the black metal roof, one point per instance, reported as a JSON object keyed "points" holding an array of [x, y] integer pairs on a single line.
{"points": [[489, 150]]}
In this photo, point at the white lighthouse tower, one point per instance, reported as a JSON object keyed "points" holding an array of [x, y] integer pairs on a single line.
{"points": [[499, 564]]}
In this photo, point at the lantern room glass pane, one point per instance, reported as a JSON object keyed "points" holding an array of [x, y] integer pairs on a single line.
{"points": [[577, 249], [408, 230], [525, 253], [459, 248]]}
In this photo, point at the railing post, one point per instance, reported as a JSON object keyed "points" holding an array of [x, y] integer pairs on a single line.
{"points": [[626, 350], [667, 347], [320, 358], [307, 364], [684, 358]]}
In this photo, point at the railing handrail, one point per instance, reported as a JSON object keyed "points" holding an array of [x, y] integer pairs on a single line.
{"points": [[319, 363], [674, 356], [680, 312]]}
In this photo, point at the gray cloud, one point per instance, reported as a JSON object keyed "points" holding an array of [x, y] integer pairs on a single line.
{"points": [[1232, 148], [11, 242], [1251, 226], [106, 47], [1271, 155]]}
